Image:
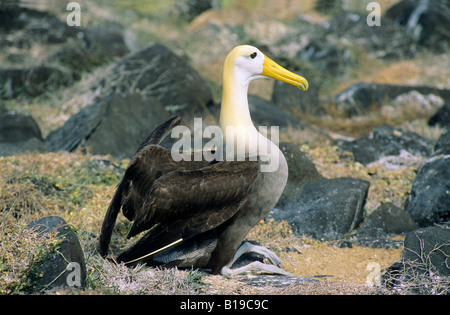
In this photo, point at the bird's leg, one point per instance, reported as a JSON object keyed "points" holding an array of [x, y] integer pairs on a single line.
{"points": [[247, 247]]}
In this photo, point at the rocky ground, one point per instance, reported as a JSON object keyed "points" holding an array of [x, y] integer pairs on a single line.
{"points": [[366, 207]]}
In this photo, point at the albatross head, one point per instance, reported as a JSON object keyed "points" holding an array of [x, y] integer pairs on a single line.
{"points": [[243, 65], [249, 63]]}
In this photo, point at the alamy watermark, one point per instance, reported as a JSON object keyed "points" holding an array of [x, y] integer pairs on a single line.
{"points": [[232, 144], [374, 277], [374, 17], [74, 17], [73, 279]]}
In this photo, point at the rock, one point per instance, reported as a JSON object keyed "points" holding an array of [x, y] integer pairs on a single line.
{"points": [[22, 147], [157, 72], [293, 101], [106, 41], [265, 113], [113, 125], [387, 219], [328, 57], [441, 117], [78, 127], [429, 248], [389, 41], [15, 127], [190, 9], [19, 133], [386, 140], [64, 266], [92, 48], [32, 81], [443, 144], [301, 171], [128, 121], [77, 59], [33, 26], [326, 209], [430, 194], [425, 21], [326, 54], [361, 98], [424, 267]]}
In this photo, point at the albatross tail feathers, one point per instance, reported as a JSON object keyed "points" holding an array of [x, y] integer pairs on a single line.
{"points": [[155, 137]]}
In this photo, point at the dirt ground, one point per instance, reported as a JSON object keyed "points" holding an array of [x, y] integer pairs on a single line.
{"points": [[356, 264], [339, 271]]}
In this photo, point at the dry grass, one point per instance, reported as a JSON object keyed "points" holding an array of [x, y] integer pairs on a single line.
{"points": [[418, 276], [141, 280], [20, 249]]}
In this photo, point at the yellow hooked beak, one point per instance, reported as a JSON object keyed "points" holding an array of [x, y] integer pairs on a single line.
{"points": [[273, 70]]}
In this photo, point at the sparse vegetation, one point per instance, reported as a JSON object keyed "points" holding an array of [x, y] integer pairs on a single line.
{"points": [[417, 277]]}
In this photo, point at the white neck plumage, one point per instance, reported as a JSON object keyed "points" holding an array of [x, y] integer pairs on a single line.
{"points": [[235, 119]]}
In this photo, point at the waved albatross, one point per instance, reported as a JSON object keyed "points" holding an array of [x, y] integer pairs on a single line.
{"points": [[197, 213]]}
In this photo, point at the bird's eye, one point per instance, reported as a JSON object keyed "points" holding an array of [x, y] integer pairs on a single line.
{"points": [[253, 56]]}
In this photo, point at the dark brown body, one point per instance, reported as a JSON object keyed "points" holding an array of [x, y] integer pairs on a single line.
{"points": [[211, 206]]}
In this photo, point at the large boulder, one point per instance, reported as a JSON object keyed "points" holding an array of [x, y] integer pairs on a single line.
{"points": [[326, 209], [301, 171], [424, 268], [113, 125], [19, 133], [429, 248], [430, 194], [62, 266], [157, 72], [16, 127], [385, 141], [377, 230], [388, 219]]}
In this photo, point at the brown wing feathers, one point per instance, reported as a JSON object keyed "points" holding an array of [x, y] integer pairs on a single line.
{"points": [[114, 207], [204, 195], [175, 199], [197, 212]]}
